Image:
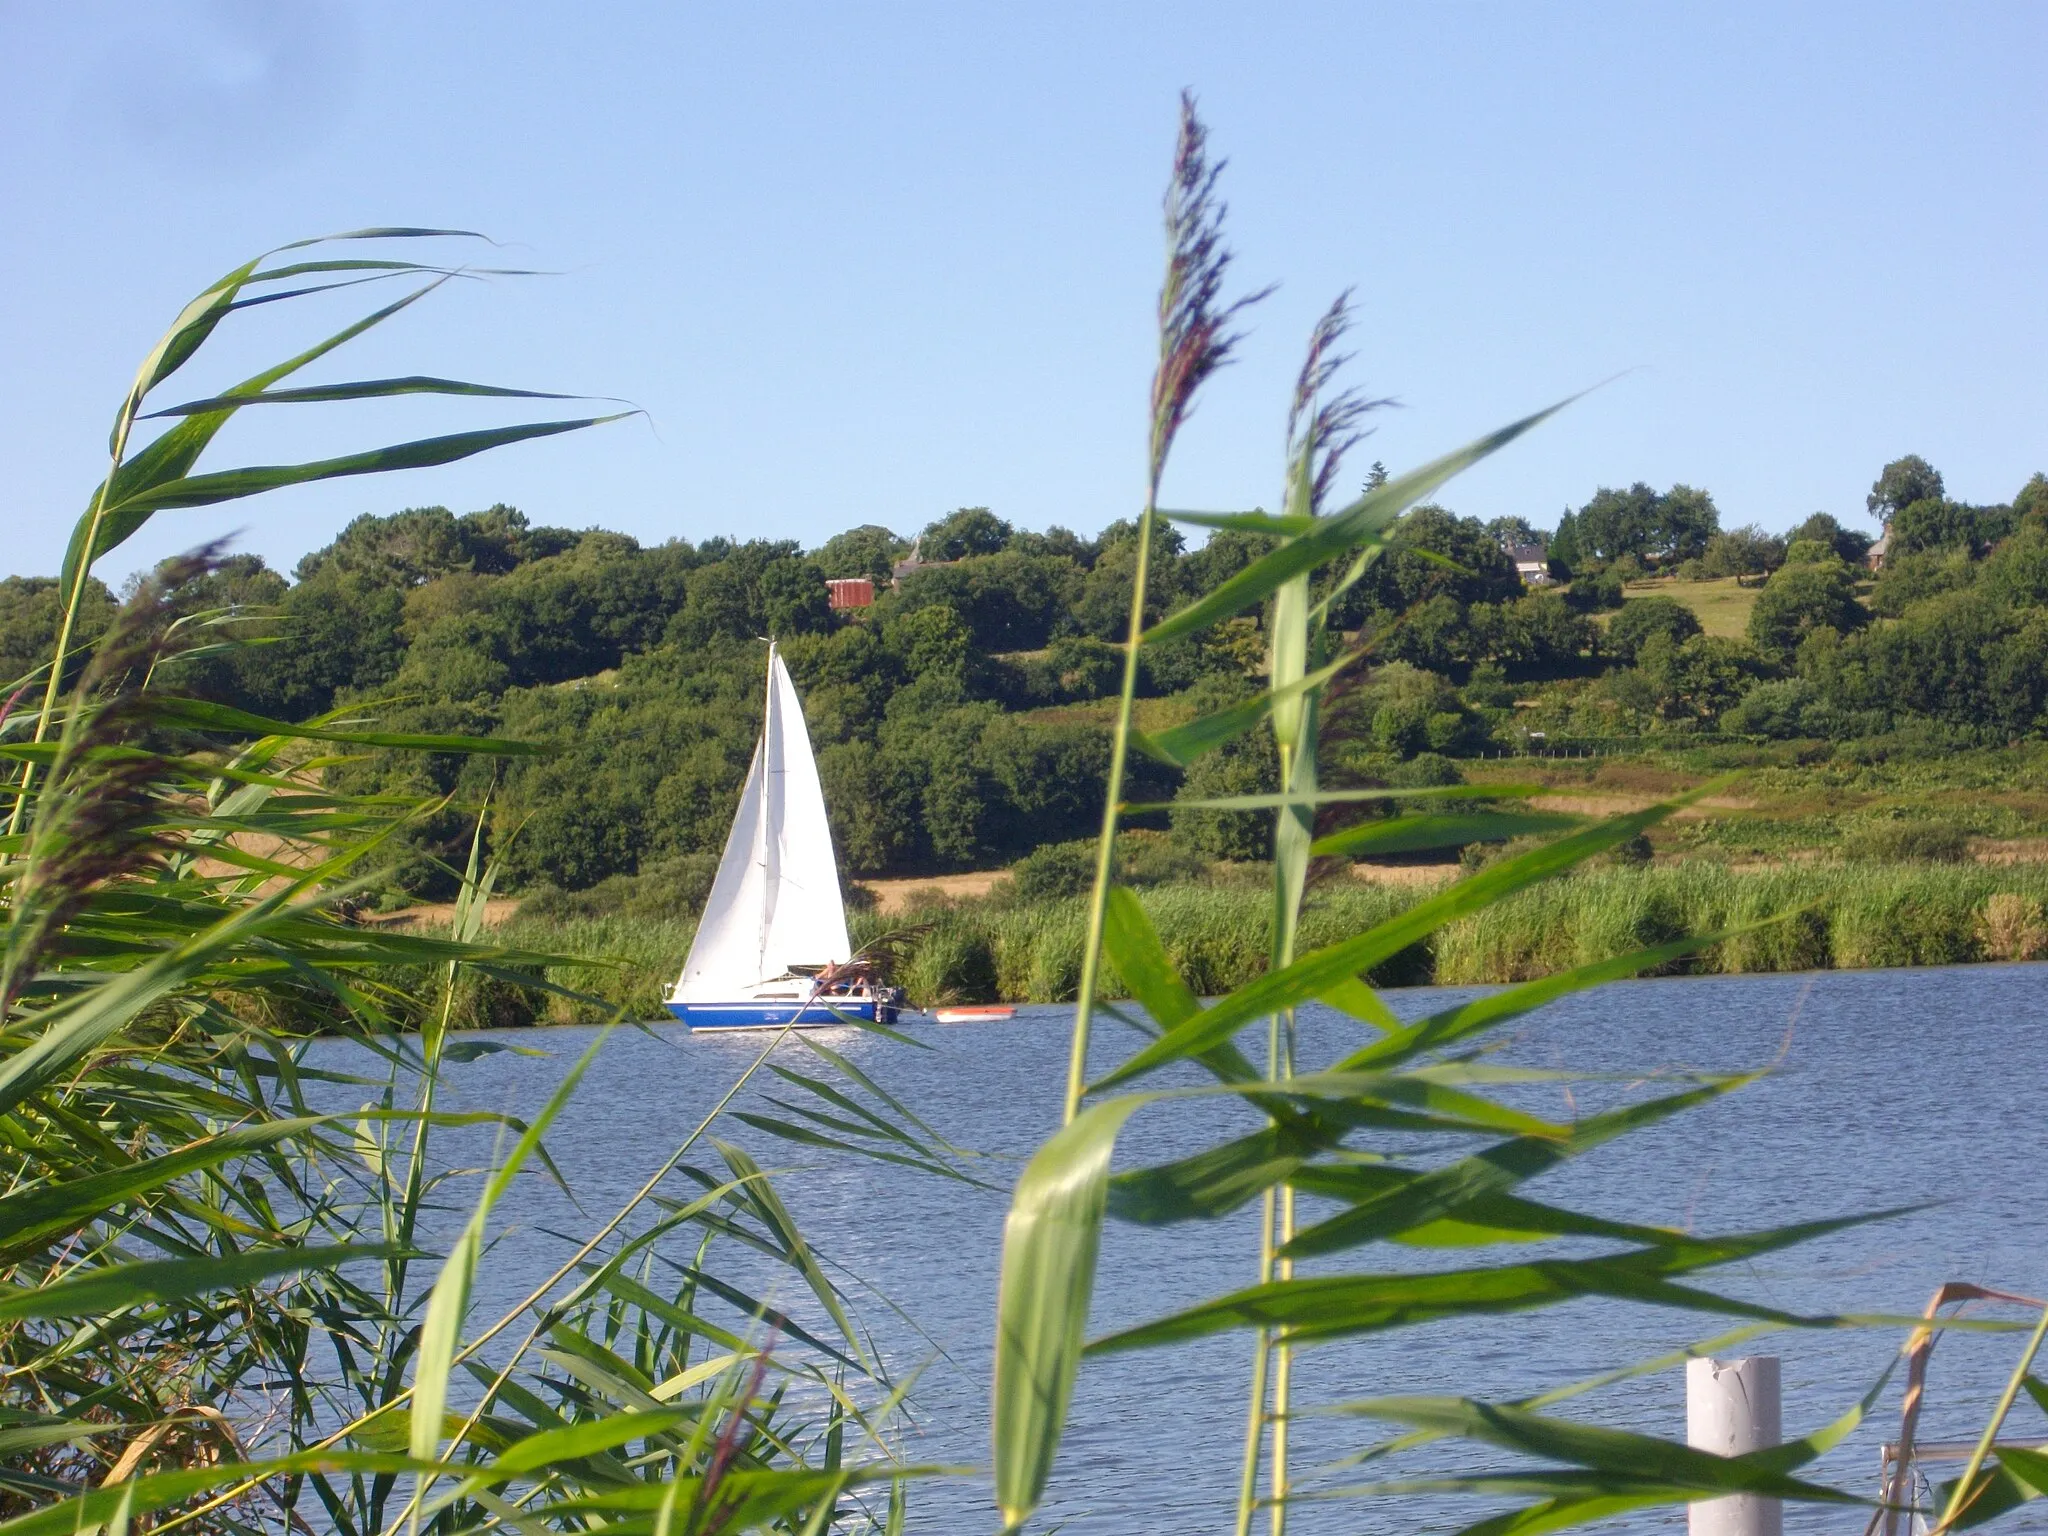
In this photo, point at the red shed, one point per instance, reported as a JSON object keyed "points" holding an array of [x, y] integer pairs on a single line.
{"points": [[852, 592]]}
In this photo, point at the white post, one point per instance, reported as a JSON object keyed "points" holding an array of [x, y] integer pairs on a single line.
{"points": [[1731, 1406]]}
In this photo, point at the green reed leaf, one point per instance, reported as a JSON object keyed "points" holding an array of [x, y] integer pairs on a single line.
{"points": [[1444, 1192], [202, 715], [358, 389], [1364, 520], [1335, 964], [36, 1216], [1279, 526], [1322, 1307], [1413, 834], [1285, 799], [448, 1302], [1621, 1454], [117, 1287], [1050, 1242], [422, 453], [1182, 745]]}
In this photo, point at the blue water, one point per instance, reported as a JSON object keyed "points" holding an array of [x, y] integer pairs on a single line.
{"points": [[1890, 1088]]}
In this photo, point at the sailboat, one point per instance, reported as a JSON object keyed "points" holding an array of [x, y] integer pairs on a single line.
{"points": [[771, 948]]}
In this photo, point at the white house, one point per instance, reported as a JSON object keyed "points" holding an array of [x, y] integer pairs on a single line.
{"points": [[1532, 564]]}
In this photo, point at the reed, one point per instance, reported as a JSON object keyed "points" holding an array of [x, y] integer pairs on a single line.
{"points": [[1351, 1131], [215, 1310], [1802, 917]]}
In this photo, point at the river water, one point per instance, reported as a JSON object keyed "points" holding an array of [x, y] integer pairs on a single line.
{"points": [[1889, 1089]]}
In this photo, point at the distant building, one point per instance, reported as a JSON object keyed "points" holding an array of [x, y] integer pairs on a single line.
{"points": [[851, 592], [1874, 556], [914, 562], [1532, 564]]}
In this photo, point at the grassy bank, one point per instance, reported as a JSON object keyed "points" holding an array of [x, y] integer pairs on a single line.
{"points": [[1834, 916]]}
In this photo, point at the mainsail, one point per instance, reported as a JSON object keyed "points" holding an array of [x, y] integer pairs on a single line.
{"points": [[775, 903]]}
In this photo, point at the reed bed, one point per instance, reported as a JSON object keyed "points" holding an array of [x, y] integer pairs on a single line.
{"points": [[1799, 918]]}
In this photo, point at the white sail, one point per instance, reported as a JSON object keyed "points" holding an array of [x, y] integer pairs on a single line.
{"points": [[775, 903]]}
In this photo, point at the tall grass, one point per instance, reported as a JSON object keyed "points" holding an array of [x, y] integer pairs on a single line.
{"points": [[1802, 917], [216, 1313], [1356, 1132], [1799, 918]]}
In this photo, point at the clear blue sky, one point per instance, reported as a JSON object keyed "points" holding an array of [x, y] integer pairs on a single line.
{"points": [[869, 263]]}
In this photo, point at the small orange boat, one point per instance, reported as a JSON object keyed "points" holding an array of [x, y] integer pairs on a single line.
{"points": [[979, 1014]]}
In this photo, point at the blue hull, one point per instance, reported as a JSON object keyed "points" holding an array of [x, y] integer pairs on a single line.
{"points": [[709, 1017]]}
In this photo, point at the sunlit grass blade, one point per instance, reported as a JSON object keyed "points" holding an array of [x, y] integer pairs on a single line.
{"points": [[1050, 1242], [112, 1287], [1414, 834], [1445, 1191], [1495, 1008], [358, 389], [1282, 800], [448, 1304], [35, 1216], [1339, 1306], [1337, 963], [422, 453], [1278, 525]]}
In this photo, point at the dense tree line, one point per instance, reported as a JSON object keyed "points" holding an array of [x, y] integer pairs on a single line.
{"points": [[957, 721]]}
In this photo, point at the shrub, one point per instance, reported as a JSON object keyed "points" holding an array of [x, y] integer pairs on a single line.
{"points": [[1647, 616], [1802, 598], [673, 890], [1783, 710], [1745, 551], [2012, 927], [1913, 842], [1427, 770], [1488, 687], [1054, 872]]}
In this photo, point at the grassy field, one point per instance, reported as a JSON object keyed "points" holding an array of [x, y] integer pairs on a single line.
{"points": [[1801, 802], [1722, 605]]}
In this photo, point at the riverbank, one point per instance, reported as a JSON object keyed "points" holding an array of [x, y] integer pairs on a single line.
{"points": [[1843, 916]]}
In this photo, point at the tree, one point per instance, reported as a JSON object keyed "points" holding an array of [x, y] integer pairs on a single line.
{"points": [[1687, 520], [1744, 551], [869, 550], [2032, 502], [1642, 617], [1104, 607], [1698, 678], [1616, 523], [1062, 542], [929, 642], [1227, 552], [1512, 531], [1938, 523], [1638, 521], [31, 610], [714, 606], [1847, 544], [1538, 633], [1901, 483], [1011, 601], [871, 803], [793, 599], [1432, 635], [1799, 599], [1566, 553], [969, 531], [1436, 553]]}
